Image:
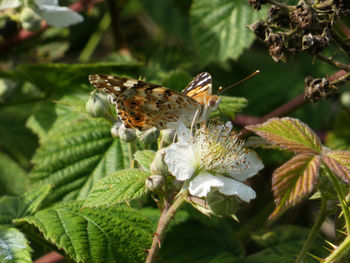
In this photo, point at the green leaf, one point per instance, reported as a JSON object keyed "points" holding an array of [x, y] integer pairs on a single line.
{"points": [[219, 28], [282, 244], [295, 179], [288, 133], [194, 242], [14, 246], [229, 106], [75, 156], [15, 138], [114, 234], [145, 158], [12, 207], [13, 180], [168, 17], [55, 76], [119, 187], [339, 163]]}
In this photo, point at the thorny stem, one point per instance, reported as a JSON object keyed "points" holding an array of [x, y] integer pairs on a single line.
{"points": [[314, 231], [340, 251], [243, 120], [341, 196], [164, 220]]}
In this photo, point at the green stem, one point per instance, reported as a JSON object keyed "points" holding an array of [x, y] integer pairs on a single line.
{"points": [[313, 232], [164, 220], [339, 252], [131, 151], [341, 196], [95, 38]]}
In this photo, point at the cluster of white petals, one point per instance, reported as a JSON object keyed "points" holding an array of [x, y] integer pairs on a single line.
{"points": [[213, 158]]}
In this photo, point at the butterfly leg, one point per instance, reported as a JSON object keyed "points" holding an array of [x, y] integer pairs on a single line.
{"points": [[194, 120]]}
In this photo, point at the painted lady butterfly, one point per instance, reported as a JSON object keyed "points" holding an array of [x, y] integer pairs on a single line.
{"points": [[143, 105]]}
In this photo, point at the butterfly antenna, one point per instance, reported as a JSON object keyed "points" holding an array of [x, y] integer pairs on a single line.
{"points": [[239, 82]]}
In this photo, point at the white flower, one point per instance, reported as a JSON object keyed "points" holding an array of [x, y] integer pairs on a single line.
{"points": [[213, 158], [55, 15]]}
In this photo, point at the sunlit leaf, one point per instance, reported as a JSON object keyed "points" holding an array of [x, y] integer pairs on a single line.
{"points": [[339, 163], [119, 187], [288, 133], [114, 234], [28, 203], [75, 156], [145, 158], [295, 179], [219, 28], [14, 247]]}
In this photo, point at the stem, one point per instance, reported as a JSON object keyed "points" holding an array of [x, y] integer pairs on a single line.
{"points": [[131, 151], [313, 232], [51, 257], [164, 220], [95, 38], [333, 62], [339, 252], [341, 42], [341, 196]]}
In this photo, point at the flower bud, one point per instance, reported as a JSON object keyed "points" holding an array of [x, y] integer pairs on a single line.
{"points": [[30, 20], [155, 182], [126, 134], [222, 205], [345, 99], [158, 166], [115, 128], [149, 136], [97, 105], [167, 137]]}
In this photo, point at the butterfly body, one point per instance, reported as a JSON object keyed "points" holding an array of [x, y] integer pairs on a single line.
{"points": [[143, 105]]}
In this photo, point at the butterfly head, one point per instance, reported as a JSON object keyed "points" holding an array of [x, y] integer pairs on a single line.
{"points": [[213, 102]]}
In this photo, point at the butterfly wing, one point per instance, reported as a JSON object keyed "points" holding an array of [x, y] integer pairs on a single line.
{"points": [[200, 85], [143, 105]]}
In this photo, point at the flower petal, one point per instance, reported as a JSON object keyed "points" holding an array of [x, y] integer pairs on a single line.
{"points": [[181, 160], [59, 16], [246, 166], [201, 185], [233, 187], [183, 134], [46, 2]]}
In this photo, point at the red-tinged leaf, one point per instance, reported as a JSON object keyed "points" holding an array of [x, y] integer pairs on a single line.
{"points": [[290, 134], [342, 157], [338, 162], [295, 179]]}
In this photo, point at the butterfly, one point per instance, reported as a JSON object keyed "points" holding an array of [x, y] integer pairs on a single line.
{"points": [[144, 105]]}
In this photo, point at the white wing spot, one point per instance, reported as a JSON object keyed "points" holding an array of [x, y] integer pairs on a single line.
{"points": [[109, 84], [116, 88], [130, 83], [110, 77]]}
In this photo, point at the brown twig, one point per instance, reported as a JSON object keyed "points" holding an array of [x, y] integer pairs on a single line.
{"points": [[243, 120], [24, 35], [52, 257]]}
